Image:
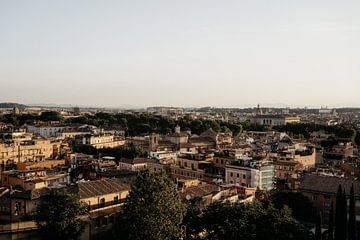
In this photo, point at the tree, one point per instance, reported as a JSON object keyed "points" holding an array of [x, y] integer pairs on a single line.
{"points": [[50, 116], [318, 231], [301, 206], [222, 221], [352, 216], [58, 216], [153, 210], [340, 225], [344, 214], [331, 223], [192, 221]]}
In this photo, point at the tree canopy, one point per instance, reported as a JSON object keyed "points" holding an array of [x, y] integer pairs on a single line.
{"points": [[250, 221], [58, 216], [153, 210], [301, 206]]}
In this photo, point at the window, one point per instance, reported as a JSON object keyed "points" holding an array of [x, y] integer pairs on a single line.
{"points": [[238, 175], [244, 176], [231, 174], [315, 197], [102, 202], [116, 200]]}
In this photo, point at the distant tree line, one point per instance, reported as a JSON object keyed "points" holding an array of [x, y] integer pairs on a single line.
{"points": [[21, 119], [342, 131], [145, 123], [130, 151]]}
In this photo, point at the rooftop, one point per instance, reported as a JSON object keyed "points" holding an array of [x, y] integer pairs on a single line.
{"points": [[101, 187]]}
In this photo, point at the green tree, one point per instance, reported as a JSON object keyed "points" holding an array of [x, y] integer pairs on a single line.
{"points": [[352, 216], [318, 231], [192, 222], [344, 214], [340, 226], [50, 116], [301, 206], [222, 221], [153, 210], [58, 216], [331, 223]]}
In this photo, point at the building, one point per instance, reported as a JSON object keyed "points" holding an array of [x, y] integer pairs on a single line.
{"points": [[306, 156], [100, 141], [30, 150], [134, 164], [104, 199], [190, 166], [322, 190], [250, 174], [34, 179], [163, 155], [274, 120], [178, 137], [46, 131], [285, 170]]}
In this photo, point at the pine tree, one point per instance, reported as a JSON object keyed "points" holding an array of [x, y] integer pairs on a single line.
{"points": [[318, 227], [331, 223], [344, 215], [339, 230], [352, 216]]}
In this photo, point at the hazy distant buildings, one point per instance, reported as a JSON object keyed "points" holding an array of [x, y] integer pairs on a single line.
{"points": [[274, 120], [99, 140]]}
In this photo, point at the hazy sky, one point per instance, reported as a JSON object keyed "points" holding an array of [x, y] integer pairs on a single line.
{"points": [[180, 53]]}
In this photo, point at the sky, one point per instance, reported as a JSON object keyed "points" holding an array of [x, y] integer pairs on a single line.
{"points": [[189, 53]]}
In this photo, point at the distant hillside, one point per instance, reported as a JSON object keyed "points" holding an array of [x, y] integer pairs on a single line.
{"points": [[12, 105]]}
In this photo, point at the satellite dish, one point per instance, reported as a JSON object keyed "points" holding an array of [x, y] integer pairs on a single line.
{"points": [[188, 197]]}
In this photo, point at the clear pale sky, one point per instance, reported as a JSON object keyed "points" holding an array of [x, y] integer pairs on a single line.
{"points": [[180, 53]]}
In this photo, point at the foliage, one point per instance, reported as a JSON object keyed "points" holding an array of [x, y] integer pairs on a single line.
{"points": [[192, 221], [331, 223], [250, 221], [153, 210], [22, 119], [58, 216], [302, 208], [48, 116], [144, 123], [342, 131], [318, 232], [130, 151], [352, 216], [340, 216]]}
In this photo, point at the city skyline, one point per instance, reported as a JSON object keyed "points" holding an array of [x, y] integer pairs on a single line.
{"points": [[190, 53]]}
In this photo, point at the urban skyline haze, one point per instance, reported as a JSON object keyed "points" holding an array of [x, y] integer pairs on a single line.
{"points": [[180, 53]]}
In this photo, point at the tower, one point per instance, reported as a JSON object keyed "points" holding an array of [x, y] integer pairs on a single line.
{"points": [[177, 129], [154, 141]]}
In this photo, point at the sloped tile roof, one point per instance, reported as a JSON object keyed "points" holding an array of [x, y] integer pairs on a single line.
{"points": [[101, 187]]}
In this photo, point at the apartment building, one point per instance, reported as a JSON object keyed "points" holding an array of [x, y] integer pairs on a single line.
{"points": [[250, 174], [30, 150]]}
